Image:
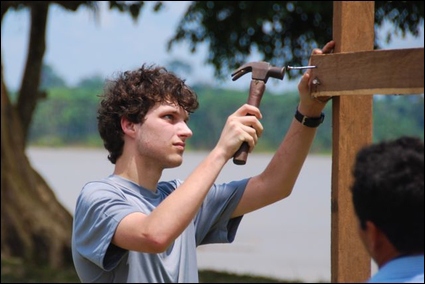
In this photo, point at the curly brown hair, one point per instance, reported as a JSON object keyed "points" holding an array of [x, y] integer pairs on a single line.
{"points": [[131, 95]]}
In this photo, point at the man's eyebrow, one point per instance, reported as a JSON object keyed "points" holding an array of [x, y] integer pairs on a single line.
{"points": [[176, 110]]}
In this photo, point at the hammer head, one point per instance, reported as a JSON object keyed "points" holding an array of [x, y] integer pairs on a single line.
{"points": [[260, 71]]}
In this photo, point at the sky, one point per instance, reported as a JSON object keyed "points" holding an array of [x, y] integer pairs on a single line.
{"points": [[79, 45]]}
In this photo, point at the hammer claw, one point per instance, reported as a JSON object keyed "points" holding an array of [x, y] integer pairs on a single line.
{"points": [[241, 71], [237, 74]]}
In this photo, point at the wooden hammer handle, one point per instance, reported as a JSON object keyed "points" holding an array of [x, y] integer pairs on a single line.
{"points": [[256, 91]]}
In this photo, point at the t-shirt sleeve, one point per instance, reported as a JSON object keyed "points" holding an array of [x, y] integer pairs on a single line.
{"points": [[213, 223], [99, 209]]}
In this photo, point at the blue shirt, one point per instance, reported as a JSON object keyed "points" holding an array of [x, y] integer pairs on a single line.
{"points": [[406, 269], [100, 207]]}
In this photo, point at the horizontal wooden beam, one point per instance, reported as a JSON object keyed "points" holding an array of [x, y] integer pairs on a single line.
{"points": [[387, 72]]}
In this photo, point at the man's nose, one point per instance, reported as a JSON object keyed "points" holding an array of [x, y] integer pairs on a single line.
{"points": [[185, 130]]}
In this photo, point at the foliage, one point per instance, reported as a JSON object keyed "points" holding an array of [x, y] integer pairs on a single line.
{"points": [[398, 115], [212, 276], [281, 31], [94, 82], [17, 272], [50, 79], [68, 117]]}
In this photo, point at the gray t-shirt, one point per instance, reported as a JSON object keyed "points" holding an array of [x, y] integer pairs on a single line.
{"points": [[102, 204]]}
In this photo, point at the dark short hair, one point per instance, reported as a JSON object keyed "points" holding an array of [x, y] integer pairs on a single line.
{"points": [[131, 95], [388, 190]]}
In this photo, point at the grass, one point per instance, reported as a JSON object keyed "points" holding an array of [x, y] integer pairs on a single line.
{"points": [[17, 272], [212, 276]]}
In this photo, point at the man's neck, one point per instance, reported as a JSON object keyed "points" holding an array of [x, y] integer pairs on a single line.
{"points": [[140, 173]]}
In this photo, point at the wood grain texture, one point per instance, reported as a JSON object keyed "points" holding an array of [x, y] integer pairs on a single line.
{"points": [[397, 71], [353, 31]]}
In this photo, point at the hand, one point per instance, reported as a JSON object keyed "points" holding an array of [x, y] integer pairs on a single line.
{"points": [[241, 126], [310, 105]]}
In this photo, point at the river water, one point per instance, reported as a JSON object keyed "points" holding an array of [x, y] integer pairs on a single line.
{"points": [[288, 240]]}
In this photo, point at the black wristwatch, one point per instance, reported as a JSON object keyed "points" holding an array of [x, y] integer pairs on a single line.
{"points": [[309, 121]]}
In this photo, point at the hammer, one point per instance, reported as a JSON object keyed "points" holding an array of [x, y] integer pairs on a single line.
{"points": [[261, 71]]}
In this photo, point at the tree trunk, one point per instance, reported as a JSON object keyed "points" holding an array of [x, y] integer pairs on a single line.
{"points": [[29, 93], [34, 225]]}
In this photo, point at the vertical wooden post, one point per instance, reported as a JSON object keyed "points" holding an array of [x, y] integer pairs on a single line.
{"points": [[353, 30]]}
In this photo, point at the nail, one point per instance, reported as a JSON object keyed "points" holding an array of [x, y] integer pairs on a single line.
{"points": [[315, 81]]}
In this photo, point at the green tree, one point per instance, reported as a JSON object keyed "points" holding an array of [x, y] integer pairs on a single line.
{"points": [[50, 79], [283, 32], [34, 225], [179, 67], [92, 82]]}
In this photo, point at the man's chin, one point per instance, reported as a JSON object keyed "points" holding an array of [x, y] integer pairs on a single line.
{"points": [[174, 163]]}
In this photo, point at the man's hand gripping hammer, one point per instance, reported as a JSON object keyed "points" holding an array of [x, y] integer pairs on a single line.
{"points": [[261, 71]]}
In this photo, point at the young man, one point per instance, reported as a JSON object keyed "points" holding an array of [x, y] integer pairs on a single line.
{"points": [[388, 198], [129, 227]]}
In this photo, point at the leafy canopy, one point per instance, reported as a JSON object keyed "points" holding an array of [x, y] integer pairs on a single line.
{"points": [[281, 31]]}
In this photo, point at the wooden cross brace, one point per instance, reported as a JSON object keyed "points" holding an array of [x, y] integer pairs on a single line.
{"points": [[352, 75], [389, 72]]}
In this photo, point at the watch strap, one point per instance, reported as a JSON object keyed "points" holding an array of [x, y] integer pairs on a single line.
{"points": [[309, 121]]}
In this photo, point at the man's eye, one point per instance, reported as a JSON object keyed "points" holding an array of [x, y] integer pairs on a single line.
{"points": [[169, 117]]}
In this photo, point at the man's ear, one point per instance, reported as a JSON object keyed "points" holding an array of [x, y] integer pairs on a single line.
{"points": [[380, 247], [376, 238], [128, 127]]}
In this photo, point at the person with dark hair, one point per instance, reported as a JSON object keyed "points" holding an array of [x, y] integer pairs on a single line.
{"points": [[132, 227], [388, 199]]}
